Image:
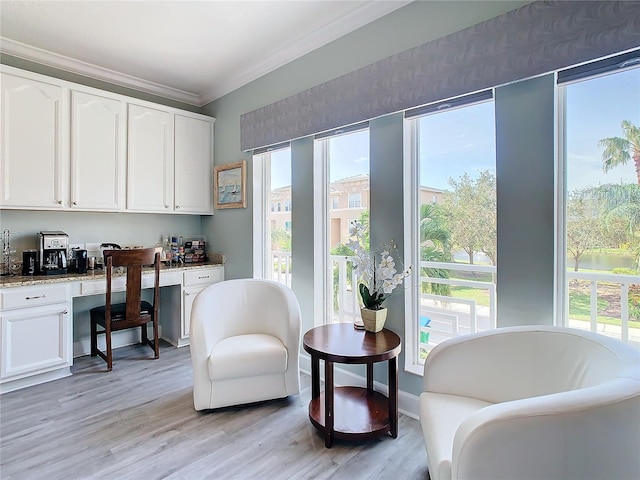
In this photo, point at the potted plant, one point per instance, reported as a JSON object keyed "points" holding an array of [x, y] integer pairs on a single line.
{"points": [[377, 275]]}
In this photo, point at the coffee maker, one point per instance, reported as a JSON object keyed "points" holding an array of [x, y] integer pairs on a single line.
{"points": [[54, 248]]}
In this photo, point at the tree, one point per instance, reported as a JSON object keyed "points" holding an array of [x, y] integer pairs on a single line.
{"points": [[471, 214], [435, 246], [584, 228], [620, 202], [620, 151]]}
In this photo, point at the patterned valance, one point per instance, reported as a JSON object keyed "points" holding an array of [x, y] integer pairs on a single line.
{"points": [[537, 38]]}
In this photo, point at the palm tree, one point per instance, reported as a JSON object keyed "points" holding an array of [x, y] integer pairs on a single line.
{"points": [[619, 151], [435, 245]]}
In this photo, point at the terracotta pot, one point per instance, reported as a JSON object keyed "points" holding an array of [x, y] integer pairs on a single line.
{"points": [[373, 319]]}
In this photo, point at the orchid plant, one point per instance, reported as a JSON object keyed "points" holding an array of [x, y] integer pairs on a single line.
{"points": [[377, 272]]}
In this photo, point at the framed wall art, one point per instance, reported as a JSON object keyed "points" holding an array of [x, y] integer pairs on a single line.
{"points": [[229, 184]]}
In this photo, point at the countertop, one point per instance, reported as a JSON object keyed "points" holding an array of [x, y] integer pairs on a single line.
{"points": [[27, 280]]}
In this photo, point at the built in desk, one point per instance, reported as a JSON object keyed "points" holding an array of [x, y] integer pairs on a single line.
{"points": [[37, 313]]}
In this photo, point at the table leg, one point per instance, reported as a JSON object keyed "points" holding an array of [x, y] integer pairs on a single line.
{"points": [[393, 397], [328, 404], [315, 376], [370, 377]]}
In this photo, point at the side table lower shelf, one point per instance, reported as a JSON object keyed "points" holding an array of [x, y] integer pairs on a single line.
{"points": [[359, 414]]}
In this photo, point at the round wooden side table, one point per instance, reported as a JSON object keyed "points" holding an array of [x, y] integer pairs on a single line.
{"points": [[349, 412]]}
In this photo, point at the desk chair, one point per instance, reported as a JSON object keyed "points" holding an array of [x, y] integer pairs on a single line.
{"points": [[135, 312]]}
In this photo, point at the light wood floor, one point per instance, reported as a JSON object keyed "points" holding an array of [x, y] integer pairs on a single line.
{"points": [[138, 422]]}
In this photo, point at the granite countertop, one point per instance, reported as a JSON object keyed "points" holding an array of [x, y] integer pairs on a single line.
{"points": [[28, 280]]}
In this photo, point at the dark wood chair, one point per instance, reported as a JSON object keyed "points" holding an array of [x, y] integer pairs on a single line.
{"points": [[135, 312]]}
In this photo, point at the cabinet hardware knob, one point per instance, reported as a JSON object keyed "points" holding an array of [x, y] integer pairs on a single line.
{"points": [[187, 293], [65, 312], [38, 296], [75, 203], [177, 206], [166, 206], [59, 202]]}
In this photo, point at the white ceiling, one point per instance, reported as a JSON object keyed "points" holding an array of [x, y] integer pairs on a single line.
{"points": [[191, 51]]}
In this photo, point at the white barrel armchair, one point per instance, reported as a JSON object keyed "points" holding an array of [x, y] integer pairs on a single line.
{"points": [[245, 343], [533, 403]]}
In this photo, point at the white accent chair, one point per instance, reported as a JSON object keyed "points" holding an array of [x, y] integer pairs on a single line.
{"points": [[245, 343], [533, 403]]}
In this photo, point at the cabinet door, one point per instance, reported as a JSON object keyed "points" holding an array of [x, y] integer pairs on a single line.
{"points": [[189, 295], [97, 152], [193, 165], [33, 132], [35, 340], [150, 160]]}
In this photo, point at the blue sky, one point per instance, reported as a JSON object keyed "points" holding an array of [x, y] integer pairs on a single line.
{"points": [[463, 139]]}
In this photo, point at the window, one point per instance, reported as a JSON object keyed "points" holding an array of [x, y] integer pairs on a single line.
{"points": [[342, 159], [451, 217], [355, 200], [272, 228], [600, 120]]}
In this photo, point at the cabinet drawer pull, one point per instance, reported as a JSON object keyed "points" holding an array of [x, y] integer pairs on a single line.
{"points": [[203, 277], [33, 298]]}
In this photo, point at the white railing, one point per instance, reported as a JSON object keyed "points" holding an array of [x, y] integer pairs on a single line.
{"points": [[623, 331], [443, 316], [344, 296], [281, 271]]}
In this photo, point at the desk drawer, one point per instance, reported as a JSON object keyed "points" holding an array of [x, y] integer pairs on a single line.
{"points": [[204, 276], [96, 287], [11, 298]]}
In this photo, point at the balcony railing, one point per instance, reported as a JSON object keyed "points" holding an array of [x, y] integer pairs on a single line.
{"points": [[446, 316], [281, 272], [619, 328]]}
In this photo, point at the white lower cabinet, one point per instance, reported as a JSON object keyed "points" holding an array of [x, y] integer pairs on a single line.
{"points": [[36, 336], [194, 282]]}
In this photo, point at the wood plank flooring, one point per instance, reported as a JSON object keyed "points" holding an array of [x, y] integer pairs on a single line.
{"points": [[138, 422]]}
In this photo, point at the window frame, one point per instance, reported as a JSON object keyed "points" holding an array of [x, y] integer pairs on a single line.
{"points": [[411, 186]]}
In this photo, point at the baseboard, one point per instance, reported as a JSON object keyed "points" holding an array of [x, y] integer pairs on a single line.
{"points": [[408, 403], [29, 381], [122, 338]]}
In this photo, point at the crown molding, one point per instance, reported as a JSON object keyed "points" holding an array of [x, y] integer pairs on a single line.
{"points": [[365, 14], [44, 57]]}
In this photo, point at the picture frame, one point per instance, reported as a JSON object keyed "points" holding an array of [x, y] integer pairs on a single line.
{"points": [[230, 185]]}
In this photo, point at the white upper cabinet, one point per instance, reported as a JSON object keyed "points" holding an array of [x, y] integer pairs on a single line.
{"points": [[193, 165], [98, 149], [150, 160], [32, 162], [65, 146]]}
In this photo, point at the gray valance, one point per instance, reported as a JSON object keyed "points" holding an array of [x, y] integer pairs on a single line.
{"points": [[537, 38]]}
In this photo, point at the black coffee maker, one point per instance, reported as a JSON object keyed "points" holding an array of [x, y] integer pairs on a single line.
{"points": [[54, 248]]}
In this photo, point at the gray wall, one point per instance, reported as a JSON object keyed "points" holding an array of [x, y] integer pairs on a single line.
{"points": [[410, 26], [122, 228], [525, 167]]}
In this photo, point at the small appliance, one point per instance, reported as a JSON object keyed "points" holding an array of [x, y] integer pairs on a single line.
{"points": [[29, 262], [81, 260], [54, 247]]}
